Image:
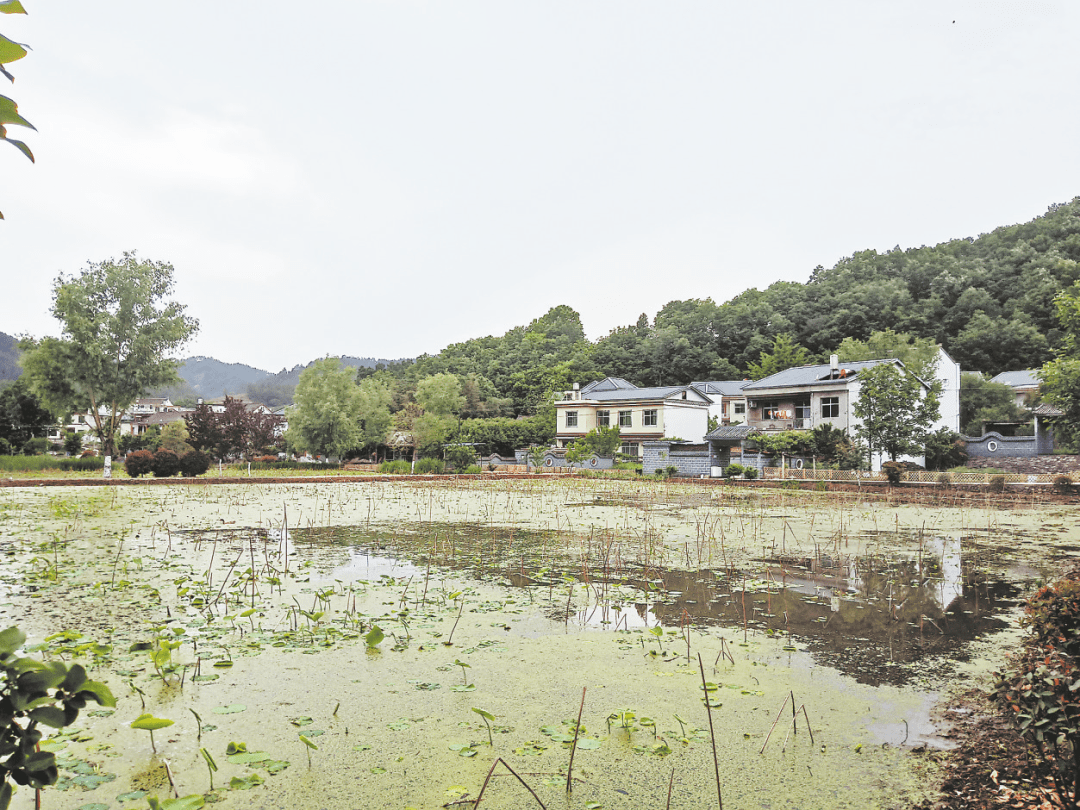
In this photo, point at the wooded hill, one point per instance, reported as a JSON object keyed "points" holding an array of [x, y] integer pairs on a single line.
{"points": [[988, 300]]}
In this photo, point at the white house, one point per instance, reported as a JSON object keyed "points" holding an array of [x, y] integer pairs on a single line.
{"points": [[642, 414]]}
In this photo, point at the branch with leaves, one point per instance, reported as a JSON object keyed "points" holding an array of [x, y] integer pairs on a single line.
{"points": [[11, 51]]}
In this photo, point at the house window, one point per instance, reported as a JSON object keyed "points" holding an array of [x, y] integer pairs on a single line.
{"points": [[772, 410], [740, 408], [571, 418], [830, 407], [649, 417], [629, 448], [626, 419], [603, 418]]}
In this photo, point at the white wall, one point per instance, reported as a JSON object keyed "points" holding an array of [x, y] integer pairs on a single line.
{"points": [[685, 421]]}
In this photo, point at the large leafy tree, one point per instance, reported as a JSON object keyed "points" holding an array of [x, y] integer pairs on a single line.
{"points": [[326, 416], [21, 416], [118, 331], [785, 353], [919, 355], [896, 411], [11, 51], [984, 401], [1061, 376], [236, 430]]}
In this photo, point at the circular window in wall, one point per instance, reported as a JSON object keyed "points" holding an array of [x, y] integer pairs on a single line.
{"points": [[992, 446], [549, 462], [592, 462]]}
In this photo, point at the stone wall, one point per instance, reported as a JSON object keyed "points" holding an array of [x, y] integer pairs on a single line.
{"points": [[690, 460], [995, 446], [1047, 465]]}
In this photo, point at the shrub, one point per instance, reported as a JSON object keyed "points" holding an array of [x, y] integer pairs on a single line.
{"points": [[996, 484], [749, 473], [139, 462], [894, 471], [1038, 693], [194, 463], [731, 470], [399, 467], [265, 460], [1062, 484], [821, 486], [35, 447], [472, 469], [428, 466], [166, 464], [460, 456]]}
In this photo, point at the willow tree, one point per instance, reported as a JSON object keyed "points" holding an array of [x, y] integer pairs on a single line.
{"points": [[118, 332], [326, 417]]}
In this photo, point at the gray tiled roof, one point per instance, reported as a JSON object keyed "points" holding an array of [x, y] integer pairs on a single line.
{"points": [[732, 432], [725, 388], [625, 395], [809, 375], [1018, 379], [608, 384]]}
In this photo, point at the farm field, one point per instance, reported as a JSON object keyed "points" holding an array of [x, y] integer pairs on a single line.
{"points": [[382, 644]]}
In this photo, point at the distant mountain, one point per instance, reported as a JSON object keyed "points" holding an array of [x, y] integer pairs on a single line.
{"points": [[209, 378], [9, 358], [277, 389]]}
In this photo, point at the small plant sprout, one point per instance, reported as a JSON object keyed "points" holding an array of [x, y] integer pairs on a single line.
{"points": [[374, 637], [310, 747], [199, 721], [463, 666], [488, 718], [147, 722], [211, 766]]}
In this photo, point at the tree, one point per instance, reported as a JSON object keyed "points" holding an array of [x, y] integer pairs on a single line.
{"points": [[117, 332], [786, 353], [896, 410], [21, 415], [984, 401], [919, 355], [9, 111], [174, 436], [72, 442], [235, 430], [1061, 376], [374, 409], [326, 417]]}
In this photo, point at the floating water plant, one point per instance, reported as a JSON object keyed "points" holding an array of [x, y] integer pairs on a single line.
{"points": [[466, 687], [310, 747], [147, 722], [211, 766], [488, 718]]}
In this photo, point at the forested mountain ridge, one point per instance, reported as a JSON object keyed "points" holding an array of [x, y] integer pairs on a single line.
{"points": [[987, 300], [9, 357]]}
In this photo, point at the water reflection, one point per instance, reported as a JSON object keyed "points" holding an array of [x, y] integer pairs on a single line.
{"points": [[872, 615]]}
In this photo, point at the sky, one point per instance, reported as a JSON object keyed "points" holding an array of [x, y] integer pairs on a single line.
{"points": [[382, 179]]}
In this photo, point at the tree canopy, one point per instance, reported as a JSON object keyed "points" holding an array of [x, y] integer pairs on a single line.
{"points": [[326, 417], [895, 412], [1061, 376], [119, 331]]}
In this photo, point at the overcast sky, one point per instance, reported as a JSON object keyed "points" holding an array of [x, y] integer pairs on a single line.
{"points": [[385, 178]]}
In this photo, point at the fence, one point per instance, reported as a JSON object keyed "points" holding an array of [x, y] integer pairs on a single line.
{"points": [[911, 477]]}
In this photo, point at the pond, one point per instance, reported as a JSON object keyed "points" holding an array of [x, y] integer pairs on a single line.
{"points": [[415, 634]]}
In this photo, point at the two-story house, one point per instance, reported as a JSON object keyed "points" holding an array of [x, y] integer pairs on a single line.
{"points": [[641, 414], [804, 397], [728, 400]]}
